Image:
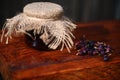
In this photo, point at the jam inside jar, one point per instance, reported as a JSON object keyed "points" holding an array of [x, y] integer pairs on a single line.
{"points": [[37, 43]]}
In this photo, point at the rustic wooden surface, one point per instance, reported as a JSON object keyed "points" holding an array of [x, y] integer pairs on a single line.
{"points": [[18, 61]]}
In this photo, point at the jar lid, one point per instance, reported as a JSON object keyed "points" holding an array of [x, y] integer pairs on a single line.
{"points": [[43, 10]]}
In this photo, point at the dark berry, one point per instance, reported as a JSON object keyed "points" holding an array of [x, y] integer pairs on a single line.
{"points": [[106, 58]]}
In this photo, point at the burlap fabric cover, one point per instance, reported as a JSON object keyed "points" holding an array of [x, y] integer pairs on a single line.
{"points": [[44, 18]]}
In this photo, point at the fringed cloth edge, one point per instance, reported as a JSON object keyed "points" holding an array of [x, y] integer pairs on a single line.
{"points": [[60, 29]]}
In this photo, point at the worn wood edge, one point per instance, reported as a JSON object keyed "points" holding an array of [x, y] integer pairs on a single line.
{"points": [[4, 70], [83, 24], [69, 66]]}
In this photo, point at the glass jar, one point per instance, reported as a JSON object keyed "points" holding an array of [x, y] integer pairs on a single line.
{"points": [[37, 43]]}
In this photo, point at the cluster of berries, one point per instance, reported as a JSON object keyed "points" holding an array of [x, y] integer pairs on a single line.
{"points": [[85, 46]]}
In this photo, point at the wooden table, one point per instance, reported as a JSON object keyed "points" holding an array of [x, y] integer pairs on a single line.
{"points": [[18, 61]]}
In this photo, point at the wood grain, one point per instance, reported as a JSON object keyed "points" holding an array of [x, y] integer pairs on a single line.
{"points": [[19, 61]]}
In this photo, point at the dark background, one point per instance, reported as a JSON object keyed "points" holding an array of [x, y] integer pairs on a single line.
{"points": [[77, 10]]}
